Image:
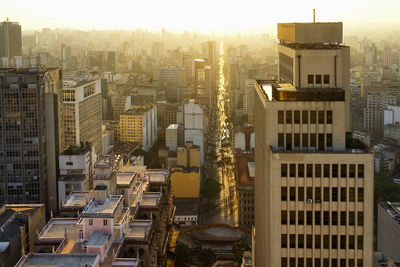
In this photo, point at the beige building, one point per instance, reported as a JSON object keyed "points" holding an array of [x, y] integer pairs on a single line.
{"points": [[82, 113], [314, 186], [139, 124]]}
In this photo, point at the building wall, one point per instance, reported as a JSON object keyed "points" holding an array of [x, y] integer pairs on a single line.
{"points": [[185, 184], [388, 235]]}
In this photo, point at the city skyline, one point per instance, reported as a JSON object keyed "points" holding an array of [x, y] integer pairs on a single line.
{"points": [[182, 16]]}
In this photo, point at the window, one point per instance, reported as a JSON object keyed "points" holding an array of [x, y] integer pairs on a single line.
{"points": [[343, 197], [313, 117], [305, 140], [361, 171], [283, 241], [289, 141], [309, 193], [105, 222], [317, 241], [308, 262], [342, 218], [352, 218], [300, 218], [352, 170], [335, 170], [326, 79], [283, 262], [326, 170], [310, 79], [288, 116], [292, 170], [318, 194], [300, 170], [351, 242], [305, 116], [309, 241], [360, 241], [90, 221], [334, 262], [284, 217], [321, 142], [283, 170], [326, 262], [313, 140], [281, 140], [292, 241], [70, 163], [334, 194], [326, 217], [317, 219], [281, 117], [318, 79], [321, 118], [352, 194], [292, 192], [334, 218], [329, 140], [297, 117], [360, 218], [296, 140], [326, 193], [309, 170], [342, 242], [343, 170], [326, 241], [360, 194], [334, 242], [283, 193], [300, 193], [80, 234], [329, 116], [318, 170], [309, 217]]}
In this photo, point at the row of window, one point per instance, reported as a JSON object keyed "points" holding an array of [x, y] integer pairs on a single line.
{"points": [[318, 79], [329, 194], [293, 140], [322, 218], [318, 262], [105, 222], [325, 170], [328, 241], [305, 116]]}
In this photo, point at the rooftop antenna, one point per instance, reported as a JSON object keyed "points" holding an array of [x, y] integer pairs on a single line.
{"points": [[314, 14]]}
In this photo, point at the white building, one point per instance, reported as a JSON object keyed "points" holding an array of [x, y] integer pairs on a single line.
{"points": [[171, 137], [391, 115], [193, 117], [248, 99]]}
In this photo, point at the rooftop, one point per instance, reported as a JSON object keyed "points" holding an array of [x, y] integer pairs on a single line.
{"points": [[274, 91], [125, 178], [77, 200], [139, 229], [186, 206], [59, 260], [98, 238], [158, 176], [320, 32], [56, 229], [150, 199], [77, 150], [102, 208]]}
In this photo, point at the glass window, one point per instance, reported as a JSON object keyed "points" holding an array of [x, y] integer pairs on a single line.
{"points": [[90, 221], [305, 140], [317, 241], [334, 218], [284, 217], [318, 194], [292, 241], [292, 192], [289, 141], [326, 217], [305, 116], [300, 193], [360, 218], [343, 218], [326, 241], [318, 170], [321, 142], [297, 116], [342, 242], [317, 218], [343, 197], [326, 193], [313, 140], [300, 217], [281, 140], [318, 79], [326, 79], [105, 222], [329, 140], [300, 170], [283, 193], [309, 170], [281, 116], [292, 170], [360, 194], [288, 116], [310, 79], [329, 116], [284, 241], [334, 194], [343, 170], [351, 242], [335, 170], [321, 118], [352, 218], [326, 171], [309, 217], [283, 170], [313, 117], [352, 170], [352, 194], [360, 241], [361, 171], [334, 242], [292, 215]]}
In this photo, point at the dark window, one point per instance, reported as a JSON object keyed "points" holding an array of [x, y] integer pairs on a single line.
{"points": [[292, 262], [343, 218], [283, 170], [284, 217], [313, 117], [326, 262], [309, 241], [300, 218], [90, 221], [300, 193], [351, 262], [342, 242], [343, 263], [308, 262], [334, 242], [352, 194], [326, 170], [281, 140], [281, 117], [326, 241], [359, 262], [288, 116], [318, 170], [326, 79], [318, 194], [326, 193], [360, 218], [283, 262], [360, 194], [343, 197], [334, 263], [321, 117], [343, 170], [317, 241], [317, 262], [309, 217], [318, 79], [313, 140], [326, 217], [335, 170], [292, 194], [352, 170], [352, 218], [297, 116], [310, 79], [321, 142], [360, 241], [334, 218], [329, 117], [283, 193], [292, 240], [300, 261], [329, 140], [300, 170], [351, 242], [289, 141], [361, 171], [70, 163], [334, 194], [296, 140], [292, 170], [309, 170], [309, 193], [317, 219], [284, 241], [305, 140], [105, 222], [305, 116]]}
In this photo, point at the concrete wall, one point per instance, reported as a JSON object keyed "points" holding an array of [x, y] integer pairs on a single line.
{"points": [[388, 235]]}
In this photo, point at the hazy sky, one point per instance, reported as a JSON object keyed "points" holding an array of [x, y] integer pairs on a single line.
{"points": [[204, 15]]}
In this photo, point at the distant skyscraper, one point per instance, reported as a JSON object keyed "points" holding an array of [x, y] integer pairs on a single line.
{"points": [[187, 62], [32, 135], [314, 186], [10, 39]]}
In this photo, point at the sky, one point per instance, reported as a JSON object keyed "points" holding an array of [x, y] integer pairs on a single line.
{"points": [[201, 15]]}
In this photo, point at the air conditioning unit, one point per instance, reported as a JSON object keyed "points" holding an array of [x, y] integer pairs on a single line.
{"points": [[309, 200]]}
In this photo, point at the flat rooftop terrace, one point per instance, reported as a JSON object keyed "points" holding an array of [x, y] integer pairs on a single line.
{"points": [[274, 91], [77, 200], [102, 208], [150, 199], [139, 230], [125, 178], [56, 229], [59, 260]]}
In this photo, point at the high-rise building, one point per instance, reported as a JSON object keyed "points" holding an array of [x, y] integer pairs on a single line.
{"points": [[203, 82], [10, 39], [187, 62], [194, 118], [82, 113], [32, 135], [314, 185]]}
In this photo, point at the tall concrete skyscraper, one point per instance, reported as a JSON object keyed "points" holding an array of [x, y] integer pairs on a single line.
{"points": [[31, 135], [10, 39], [314, 185]]}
